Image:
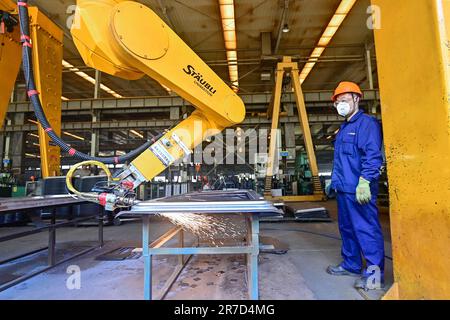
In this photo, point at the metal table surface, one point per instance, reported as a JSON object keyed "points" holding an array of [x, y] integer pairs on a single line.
{"points": [[8, 205], [242, 202]]}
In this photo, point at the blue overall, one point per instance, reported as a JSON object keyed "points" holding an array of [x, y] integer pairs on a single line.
{"points": [[357, 153]]}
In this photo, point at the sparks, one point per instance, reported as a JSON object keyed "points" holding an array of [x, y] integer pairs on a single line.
{"points": [[207, 227]]}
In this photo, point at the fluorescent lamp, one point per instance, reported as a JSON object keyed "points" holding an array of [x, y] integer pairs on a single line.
{"points": [[229, 35], [32, 155], [137, 134], [88, 78], [339, 16], [73, 135]]}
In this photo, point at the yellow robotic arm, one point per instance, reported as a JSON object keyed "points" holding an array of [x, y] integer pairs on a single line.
{"points": [[128, 40]]}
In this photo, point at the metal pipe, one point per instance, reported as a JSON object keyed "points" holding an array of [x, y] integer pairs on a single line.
{"points": [[282, 21], [369, 67], [98, 82]]}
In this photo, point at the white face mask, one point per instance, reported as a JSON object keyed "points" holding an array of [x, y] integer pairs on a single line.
{"points": [[343, 108]]}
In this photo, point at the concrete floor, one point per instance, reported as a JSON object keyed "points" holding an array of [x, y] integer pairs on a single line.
{"points": [[298, 274]]}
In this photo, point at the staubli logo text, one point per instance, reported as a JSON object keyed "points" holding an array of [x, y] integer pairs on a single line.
{"points": [[202, 83]]}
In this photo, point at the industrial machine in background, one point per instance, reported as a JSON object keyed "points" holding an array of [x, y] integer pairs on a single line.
{"points": [[303, 181], [7, 180]]}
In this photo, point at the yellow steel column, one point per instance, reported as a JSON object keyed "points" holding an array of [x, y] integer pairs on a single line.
{"points": [[7, 5], [307, 138], [412, 57], [47, 56], [10, 59], [273, 132]]}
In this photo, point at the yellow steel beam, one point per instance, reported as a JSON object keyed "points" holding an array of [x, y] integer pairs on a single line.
{"points": [[413, 59], [275, 120], [47, 56], [10, 59], [304, 123], [7, 5]]}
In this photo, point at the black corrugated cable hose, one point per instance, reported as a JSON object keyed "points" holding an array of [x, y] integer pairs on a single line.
{"points": [[39, 112]]}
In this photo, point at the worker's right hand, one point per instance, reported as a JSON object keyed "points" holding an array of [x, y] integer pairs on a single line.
{"points": [[363, 194]]}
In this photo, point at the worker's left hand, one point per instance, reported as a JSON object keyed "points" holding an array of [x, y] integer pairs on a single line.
{"points": [[363, 194]]}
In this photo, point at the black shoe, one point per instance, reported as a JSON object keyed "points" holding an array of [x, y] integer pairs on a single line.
{"points": [[365, 284], [340, 271]]}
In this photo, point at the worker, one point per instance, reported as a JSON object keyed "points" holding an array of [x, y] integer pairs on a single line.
{"points": [[356, 171]]}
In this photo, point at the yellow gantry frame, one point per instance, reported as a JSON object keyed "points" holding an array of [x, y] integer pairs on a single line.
{"points": [[47, 56], [412, 48], [10, 59], [283, 68], [47, 41], [128, 40]]}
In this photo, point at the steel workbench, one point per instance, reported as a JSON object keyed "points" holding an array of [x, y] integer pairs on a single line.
{"points": [[241, 202]]}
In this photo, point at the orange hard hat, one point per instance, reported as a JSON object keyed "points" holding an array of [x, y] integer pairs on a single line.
{"points": [[346, 87]]}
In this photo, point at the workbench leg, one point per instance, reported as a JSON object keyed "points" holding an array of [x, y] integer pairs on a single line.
{"points": [[248, 237], [100, 227], [253, 264], [52, 239], [147, 257], [181, 245]]}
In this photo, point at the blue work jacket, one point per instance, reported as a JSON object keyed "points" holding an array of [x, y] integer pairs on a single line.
{"points": [[357, 153]]}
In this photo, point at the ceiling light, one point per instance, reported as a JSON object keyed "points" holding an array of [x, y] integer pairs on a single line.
{"points": [[137, 134], [73, 135], [286, 28], [342, 11], [88, 78], [229, 35], [31, 155]]}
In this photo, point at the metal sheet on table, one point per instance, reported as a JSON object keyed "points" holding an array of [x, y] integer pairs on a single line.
{"points": [[208, 202], [24, 203]]}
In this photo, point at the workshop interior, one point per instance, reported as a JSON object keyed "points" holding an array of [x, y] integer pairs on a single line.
{"points": [[224, 150]]}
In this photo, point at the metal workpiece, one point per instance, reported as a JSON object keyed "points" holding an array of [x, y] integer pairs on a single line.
{"points": [[210, 202], [26, 203], [153, 207]]}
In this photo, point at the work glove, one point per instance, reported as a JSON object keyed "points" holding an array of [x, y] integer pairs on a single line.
{"points": [[363, 194]]}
